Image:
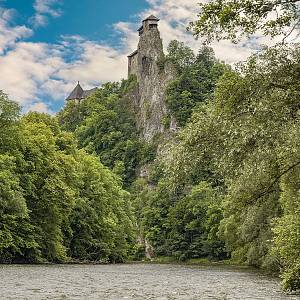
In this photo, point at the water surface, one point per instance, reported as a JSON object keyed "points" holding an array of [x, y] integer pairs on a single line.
{"points": [[136, 281]]}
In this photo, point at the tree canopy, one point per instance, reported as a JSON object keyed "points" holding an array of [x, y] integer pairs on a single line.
{"points": [[230, 19], [104, 124], [57, 202], [198, 75], [249, 133]]}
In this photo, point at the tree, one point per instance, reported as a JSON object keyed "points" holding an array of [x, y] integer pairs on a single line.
{"points": [[180, 55], [230, 19], [77, 206], [57, 202], [197, 77], [49, 184], [17, 243], [287, 231], [9, 117], [250, 134], [194, 223], [102, 221], [104, 124]]}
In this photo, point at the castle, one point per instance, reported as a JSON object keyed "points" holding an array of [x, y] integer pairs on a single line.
{"points": [[135, 58], [152, 74]]}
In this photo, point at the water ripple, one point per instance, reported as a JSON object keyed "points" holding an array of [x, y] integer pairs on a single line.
{"points": [[136, 281]]}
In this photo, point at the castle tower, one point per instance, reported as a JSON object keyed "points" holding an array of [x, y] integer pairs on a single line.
{"points": [[153, 76], [149, 47], [78, 94]]}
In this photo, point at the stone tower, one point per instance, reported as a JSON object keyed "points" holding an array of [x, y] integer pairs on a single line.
{"points": [[153, 75]]}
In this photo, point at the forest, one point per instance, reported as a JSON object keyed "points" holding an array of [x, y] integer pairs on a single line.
{"points": [[228, 190]]}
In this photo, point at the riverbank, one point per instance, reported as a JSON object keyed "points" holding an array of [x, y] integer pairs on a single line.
{"points": [[207, 262], [198, 261]]}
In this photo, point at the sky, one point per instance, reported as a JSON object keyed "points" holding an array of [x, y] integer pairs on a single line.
{"points": [[46, 46]]}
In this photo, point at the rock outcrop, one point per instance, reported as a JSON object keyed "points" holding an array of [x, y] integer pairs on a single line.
{"points": [[153, 74]]}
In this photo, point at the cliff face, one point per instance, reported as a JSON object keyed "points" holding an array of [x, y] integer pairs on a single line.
{"points": [[153, 76]]}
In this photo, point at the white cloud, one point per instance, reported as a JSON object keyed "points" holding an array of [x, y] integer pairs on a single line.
{"points": [[32, 71], [56, 89], [10, 35], [45, 9], [128, 35], [97, 63], [25, 68], [40, 107]]}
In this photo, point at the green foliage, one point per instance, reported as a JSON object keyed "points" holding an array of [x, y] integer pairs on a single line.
{"points": [[156, 206], [287, 230], [104, 124], [230, 19], [194, 224], [57, 202], [129, 85], [101, 222], [16, 240], [12, 200], [181, 226], [196, 81], [180, 56], [47, 184], [249, 133], [9, 114]]}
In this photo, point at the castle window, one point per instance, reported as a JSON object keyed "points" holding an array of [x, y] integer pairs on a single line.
{"points": [[152, 26], [141, 30]]}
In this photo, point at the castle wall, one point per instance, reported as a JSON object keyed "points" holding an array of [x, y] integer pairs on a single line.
{"points": [[133, 65]]}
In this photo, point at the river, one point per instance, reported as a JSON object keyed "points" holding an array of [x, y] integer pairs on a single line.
{"points": [[136, 281]]}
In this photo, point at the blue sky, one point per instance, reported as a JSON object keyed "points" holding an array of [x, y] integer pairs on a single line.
{"points": [[91, 19], [46, 46]]}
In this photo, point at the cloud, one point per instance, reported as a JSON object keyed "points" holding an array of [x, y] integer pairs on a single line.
{"points": [[10, 35], [40, 107], [27, 67], [45, 9], [97, 63]]}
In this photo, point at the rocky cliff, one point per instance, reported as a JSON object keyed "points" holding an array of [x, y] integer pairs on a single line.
{"points": [[153, 75]]}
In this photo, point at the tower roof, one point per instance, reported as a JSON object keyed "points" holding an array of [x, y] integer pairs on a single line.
{"points": [[89, 92], [133, 53], [76, 93], [151, 18]]}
